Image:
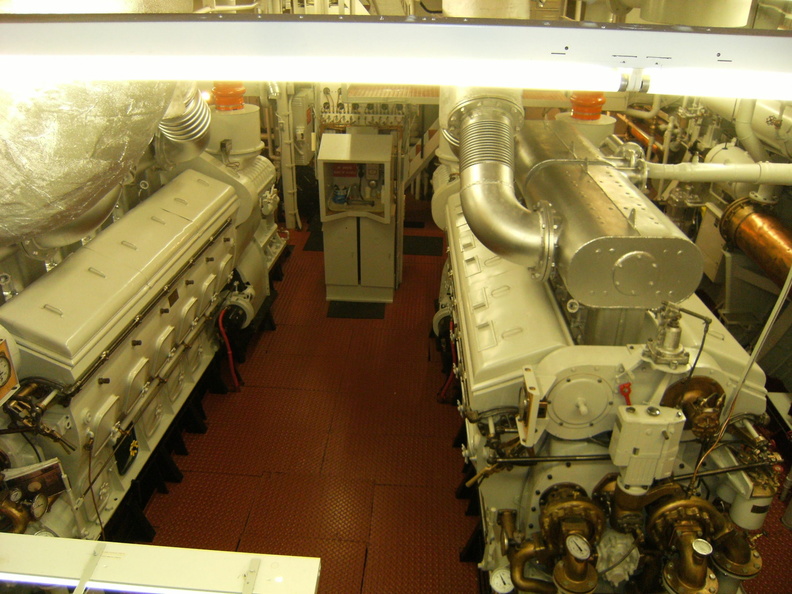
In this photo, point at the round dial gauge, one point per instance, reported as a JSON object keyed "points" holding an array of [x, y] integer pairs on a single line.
{"points": [[15, 495], [500, 580], [39, 505], [578, 547], [5, 370]]}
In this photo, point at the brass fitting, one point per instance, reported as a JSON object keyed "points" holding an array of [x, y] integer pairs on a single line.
{"points": [[566, 509], [690, 573], [735, 556], [17, 516], [701, 399], [575, 576]]}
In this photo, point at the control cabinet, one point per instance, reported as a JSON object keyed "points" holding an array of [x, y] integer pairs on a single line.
{"points": [[358, 212]]}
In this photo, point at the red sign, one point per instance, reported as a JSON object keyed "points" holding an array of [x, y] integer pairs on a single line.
{"points": [[345, 170]]}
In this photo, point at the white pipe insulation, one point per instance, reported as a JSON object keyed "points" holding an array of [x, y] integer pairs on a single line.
{"points": [[745, 133], [779, 174]]}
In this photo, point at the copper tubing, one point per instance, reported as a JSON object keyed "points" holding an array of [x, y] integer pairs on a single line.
{"points": [[527, 551], [761, 236]]}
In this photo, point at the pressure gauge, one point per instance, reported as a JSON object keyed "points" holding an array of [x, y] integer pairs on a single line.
{"points": [[15, 495], [500, 580], [39, 505], [578, 547], [5, 369]]}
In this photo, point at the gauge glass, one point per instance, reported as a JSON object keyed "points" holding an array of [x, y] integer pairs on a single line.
{"points": [[5, 370], [500, 580], [39, 506], [578, 547]]}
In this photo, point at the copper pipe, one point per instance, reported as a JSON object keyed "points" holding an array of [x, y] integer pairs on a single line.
{"points": [[575, 569], [518, 558], [761, 236], [735, 555], [573, 575], [508, 522], [721, 526], [691, 569]]}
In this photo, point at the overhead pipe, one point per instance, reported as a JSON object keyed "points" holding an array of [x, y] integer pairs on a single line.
{"points": [[645, 115], [743, 126], [487, 127], [779, 174]]}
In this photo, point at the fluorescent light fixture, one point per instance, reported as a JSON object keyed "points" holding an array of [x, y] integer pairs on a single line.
{"points": [[702, 82], [149, 569], [517, 74], [381, 50]]}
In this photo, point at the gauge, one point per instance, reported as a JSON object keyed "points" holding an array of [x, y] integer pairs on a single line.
{"points": [[15, 495], [39, 505], [500, 580], [578, 547], [5, 369]]}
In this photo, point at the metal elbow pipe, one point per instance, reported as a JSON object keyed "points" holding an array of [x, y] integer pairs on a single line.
{"points": [[489, 202], [518, 558], [743, 126]]}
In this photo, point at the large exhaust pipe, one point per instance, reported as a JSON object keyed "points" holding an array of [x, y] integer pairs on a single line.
{"points": [[486, 128]]}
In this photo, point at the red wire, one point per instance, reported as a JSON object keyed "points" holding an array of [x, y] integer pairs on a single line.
{"points": [[234, 377]]}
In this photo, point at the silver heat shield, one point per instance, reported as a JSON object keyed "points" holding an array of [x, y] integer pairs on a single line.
{"points": [[615, 248]]}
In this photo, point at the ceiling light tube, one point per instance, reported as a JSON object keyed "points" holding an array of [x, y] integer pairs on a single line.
{"points": [[461, 52]]}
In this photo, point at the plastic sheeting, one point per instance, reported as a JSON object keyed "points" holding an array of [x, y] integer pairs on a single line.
{"points": [[64, 147]]}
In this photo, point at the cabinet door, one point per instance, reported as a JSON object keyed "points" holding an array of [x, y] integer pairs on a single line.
{"points": [[377, 250], [341, 251]]}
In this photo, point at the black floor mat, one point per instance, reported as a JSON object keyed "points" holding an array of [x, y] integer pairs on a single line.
{"points": [[417, 245], [315, 242], [360, 311]]}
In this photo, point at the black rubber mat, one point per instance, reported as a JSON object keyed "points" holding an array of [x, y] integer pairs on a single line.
{"points": [[417, 245], [315, 242], [360, 311]]}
